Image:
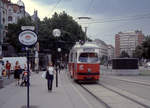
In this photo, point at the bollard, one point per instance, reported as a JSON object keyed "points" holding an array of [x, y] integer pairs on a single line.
{"points": [[1, 83]]}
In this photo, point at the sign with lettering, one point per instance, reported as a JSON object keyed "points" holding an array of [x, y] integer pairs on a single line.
{"points": [[28, 38], [88, 49]]}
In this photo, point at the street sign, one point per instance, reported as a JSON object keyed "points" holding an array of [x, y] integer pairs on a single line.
{"points": [[27, 28], [28, 38], [56, 32]]}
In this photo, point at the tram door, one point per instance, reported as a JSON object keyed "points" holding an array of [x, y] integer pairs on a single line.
{"points": [[75, 64]]}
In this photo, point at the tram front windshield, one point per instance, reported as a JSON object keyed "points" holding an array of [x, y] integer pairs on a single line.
{"points": [[88, 57]]}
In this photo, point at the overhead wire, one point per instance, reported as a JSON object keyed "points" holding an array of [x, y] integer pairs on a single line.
{"points": [[137, 17], [89, 7], [55, 6]]}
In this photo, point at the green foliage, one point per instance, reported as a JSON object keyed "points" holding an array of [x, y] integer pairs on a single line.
{"points": [[143, 51], [138, 53], [14, 30], [146, 47], [71, 32], [124, 54]]}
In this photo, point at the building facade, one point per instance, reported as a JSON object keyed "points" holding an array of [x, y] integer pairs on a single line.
{"points": [[35, 15], [3, 21], [111, 50], [127, 41], [103, 47], [16, 11]]}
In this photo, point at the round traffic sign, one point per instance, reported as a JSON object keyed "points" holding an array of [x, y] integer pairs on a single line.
{"points": [[28, 38]]}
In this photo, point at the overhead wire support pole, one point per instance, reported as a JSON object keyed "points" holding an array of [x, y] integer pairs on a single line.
{"points": [[85, 33]]}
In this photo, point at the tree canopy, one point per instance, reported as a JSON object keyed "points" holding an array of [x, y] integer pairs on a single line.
{"points": [[124, 54], [71, 32], [143, 51]]}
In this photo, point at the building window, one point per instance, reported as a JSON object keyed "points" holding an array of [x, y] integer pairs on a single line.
{"points": [[10, 18], [3, 20]]}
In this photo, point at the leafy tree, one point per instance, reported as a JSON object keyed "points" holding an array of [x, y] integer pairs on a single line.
{"points": [[71, 32], [124, 54], [146, 47], [14, 30], [138, 53]]}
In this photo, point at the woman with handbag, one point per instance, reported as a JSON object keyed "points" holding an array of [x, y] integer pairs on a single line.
{"points": [[17, 72], [50, 76]]}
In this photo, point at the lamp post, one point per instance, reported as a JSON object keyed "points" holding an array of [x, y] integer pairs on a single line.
{"points": [[88, 18], [57, 33]]}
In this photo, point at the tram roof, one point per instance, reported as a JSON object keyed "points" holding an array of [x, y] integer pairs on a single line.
{"points": [[86, 45]]}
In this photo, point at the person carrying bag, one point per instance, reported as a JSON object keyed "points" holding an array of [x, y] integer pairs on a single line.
{"points": [[50, 76]]}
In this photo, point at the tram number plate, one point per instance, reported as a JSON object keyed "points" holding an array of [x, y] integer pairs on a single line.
{"points": [[88, 49]]}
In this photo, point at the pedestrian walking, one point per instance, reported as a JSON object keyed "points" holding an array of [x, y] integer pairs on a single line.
{"points": [[8, 67], [50, 76], [1, 67], [17, 72]]}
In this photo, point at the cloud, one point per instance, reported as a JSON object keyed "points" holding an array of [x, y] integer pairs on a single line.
{"points": [[31, 5], [96, 9]]}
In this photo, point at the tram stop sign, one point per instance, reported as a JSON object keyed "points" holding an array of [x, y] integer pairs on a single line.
{"points": [[27, 38]]}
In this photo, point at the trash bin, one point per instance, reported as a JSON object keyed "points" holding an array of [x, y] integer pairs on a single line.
{"points": [[1, 83]]}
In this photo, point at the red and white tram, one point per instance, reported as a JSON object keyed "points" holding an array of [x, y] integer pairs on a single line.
{"points": [[84, 62]]}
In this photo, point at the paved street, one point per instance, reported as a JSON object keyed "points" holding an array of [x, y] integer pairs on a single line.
{"points": [[71, 95], [7, 81], [137, 85], [66, 95]]}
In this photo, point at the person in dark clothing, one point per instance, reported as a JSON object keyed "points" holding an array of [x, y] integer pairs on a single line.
{"points": [[50, 76], [17, 72], [8, 67], [24, 79]]}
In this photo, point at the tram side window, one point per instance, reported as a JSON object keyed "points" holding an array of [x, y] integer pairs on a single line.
{"points": [[71, 57], [88, 57]]}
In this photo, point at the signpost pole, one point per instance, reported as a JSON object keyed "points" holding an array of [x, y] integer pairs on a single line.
{"points": [[28, 80], [28, 38], [56, 76]]}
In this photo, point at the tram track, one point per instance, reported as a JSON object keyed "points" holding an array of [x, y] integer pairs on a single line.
{"points": [[125, 96], [97, 98], [145, 83], [112, 92]]}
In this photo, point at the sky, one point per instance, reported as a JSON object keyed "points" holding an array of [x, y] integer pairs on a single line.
{"points": [[108, 17]]}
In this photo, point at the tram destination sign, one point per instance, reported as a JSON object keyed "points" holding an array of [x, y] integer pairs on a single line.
{"points": [[27, 38], [88, 49]]}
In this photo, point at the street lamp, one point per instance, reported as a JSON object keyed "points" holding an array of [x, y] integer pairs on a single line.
{"points": [[85, 26], [57, 33]]}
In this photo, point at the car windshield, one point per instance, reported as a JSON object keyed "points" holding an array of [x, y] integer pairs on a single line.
{"points": [[88, 57]]}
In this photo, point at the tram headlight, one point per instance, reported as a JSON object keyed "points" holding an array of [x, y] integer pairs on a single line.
{"points": [[81, 67]]}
